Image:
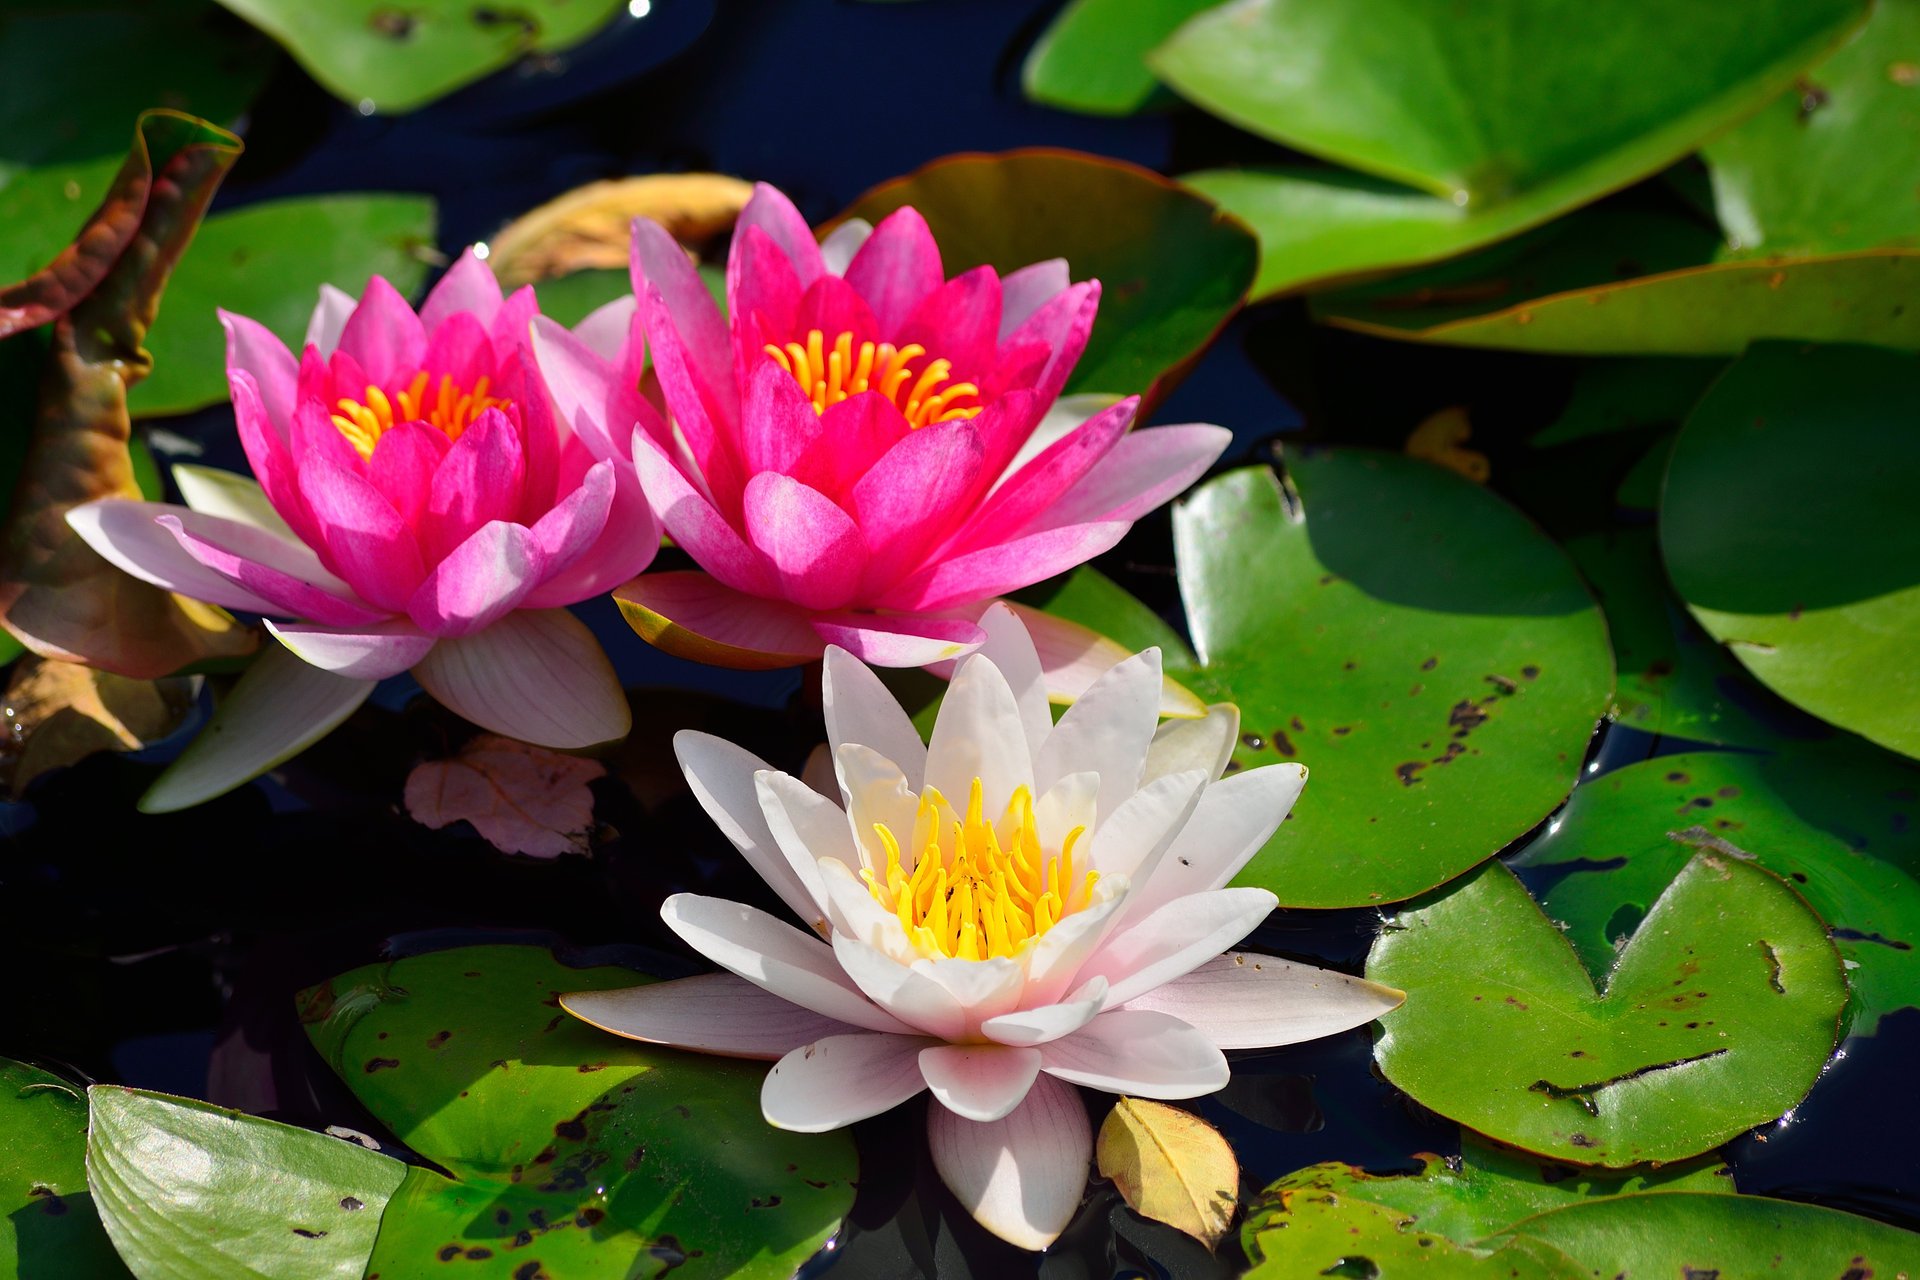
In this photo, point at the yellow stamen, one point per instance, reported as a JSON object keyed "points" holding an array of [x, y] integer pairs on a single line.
{"points": [[975, 896], [451, 410], [828, 376]]}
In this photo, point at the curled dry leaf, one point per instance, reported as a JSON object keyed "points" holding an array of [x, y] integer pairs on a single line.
{"points": [[59, 713], [588, 226], [1170, 1166], [1441, 440], [520, 798]]}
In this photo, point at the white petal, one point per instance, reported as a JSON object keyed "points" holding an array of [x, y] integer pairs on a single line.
{"points": [[1054, 964], [860, 709], [1051, 1021], [1075, 657], [1010, 648], [1232, 822], [1107, 731], [1244, 1001], [818, 773], [984, 988], [876, 793], [713, 1013], [831, 1083], [536, 674], [978, 735], [371, 652], [852, 910], [837, 250], [909, 995], [1138, 1051], [980, 1082], [1022, 1176], [1200, 742], [721, 777], [1066, 416], [606, 327], [214, 492], [1025, 291], [127, 535], [278, 708], [773, 954], [329, 319], [806, 826], [1132, 839], [1176, 939], [1073, 801]]}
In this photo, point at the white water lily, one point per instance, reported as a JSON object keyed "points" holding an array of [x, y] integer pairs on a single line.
{"points": [[1012, 909]]}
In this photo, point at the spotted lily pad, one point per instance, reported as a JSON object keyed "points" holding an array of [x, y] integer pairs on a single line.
{"points": [[48, 1223], [1717, 1015], [568, 1148], [1834, 819], [1423, 649], [1787, 525]]}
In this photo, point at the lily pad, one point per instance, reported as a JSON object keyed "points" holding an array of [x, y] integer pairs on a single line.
{"points": [[1717, 1015], [1787, 525], [394, 58], [1093, 57], [190, 1191], [569, 1148], [1427, 653], [1834, 820], [1359, 1238], [48, 1223], [1172, 267], [268, 261], [1612, 396], [1830, 166]]}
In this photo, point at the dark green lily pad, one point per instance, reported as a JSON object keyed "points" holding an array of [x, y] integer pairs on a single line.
{"points": [[268, 261], [191, 1191], [1829, 166], [1428, 653], [1835, 820], [584, 1152], [1309, 1233], [1717, 1015], [1612, 396], [394, 58], [1092, 58], [1172, 267], [1787, 525], [48, 1223]]}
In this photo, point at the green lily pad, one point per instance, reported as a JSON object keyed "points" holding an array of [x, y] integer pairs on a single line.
{"points": [[1658, 1234], [1092, 58], [1173, 268], [191, 1191], [1423, 649], [1311, 1233], [268, 261], [1831, 819], [1717, 1015], [1612, 396], [394, 58], [1628, 282], [1787, 525], [1830, 167], [579, 1151], [48, 1223]]}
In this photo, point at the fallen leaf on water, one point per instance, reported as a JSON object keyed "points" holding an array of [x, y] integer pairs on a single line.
{"points": [[1170, 1166], [59, 713], [588, 227], [1441, 440], [520, 798]]}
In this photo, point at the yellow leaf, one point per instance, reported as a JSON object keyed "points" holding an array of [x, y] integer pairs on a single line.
{"points": [[588, 226], [1441, 440], [1170, 1166], [59, 713]]}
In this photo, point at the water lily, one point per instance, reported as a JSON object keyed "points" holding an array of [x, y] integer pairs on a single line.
{"points": [[856, 454], [1013, 909], [416, 505]]}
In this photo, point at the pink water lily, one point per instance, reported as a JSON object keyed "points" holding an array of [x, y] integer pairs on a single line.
{"points": [[855, 456], [1012, 909], [416, 505]]}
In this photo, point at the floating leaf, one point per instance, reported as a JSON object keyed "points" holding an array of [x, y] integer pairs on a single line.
{"points": [[1717, 1015], [268, 261], [1093, 57], [1366, 1240], [1787, 524], [48, 1223], [394, 58], [1832, 819], [1612, 396], [190, 1191], [59, 713], [520, 798], [1422, 648], [589, 227], [579, 1151], [1171, 1166], [1173, 269]]}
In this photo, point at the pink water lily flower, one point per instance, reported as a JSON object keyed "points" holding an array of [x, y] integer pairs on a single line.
{"points": [[418, 506], [852, 456], [1012, 909]]}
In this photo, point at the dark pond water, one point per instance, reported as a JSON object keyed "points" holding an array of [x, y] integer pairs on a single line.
{"points": [[162, 952]]}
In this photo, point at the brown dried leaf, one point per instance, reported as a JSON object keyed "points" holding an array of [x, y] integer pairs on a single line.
{"points": [[1440, 440], [588, 226], [59, 713], [520, 798], [1170, 1166]]}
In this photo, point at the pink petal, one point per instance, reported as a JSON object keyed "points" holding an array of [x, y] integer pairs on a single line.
{"points": [[1062, 324], [838, 1080], [1138, 1052], [508, 329], [403, 464], [537, 675], [384, 335], [581, 384], [1145, 469], [1023, 292], [371, 652], [609, 327], [479, 582], [366, 541], [328, 319], [468, 288], [268, 455], [459, 349], [674, 301], [129, 536], [1041, 483], [1022, 1176], [777, 422], [696, 526], [833, 306], [763, 294], [899, 640], [570, 529], [252, 349], [770, 211], [628, 539], [285, 575], [897, 267], [814, 547], [960, 321], [316, 436], [693, 616], [993, 571], [912, 497], [714, 1013], [479, 481], [980, 1082], [1256, 1002], [853, 436]]}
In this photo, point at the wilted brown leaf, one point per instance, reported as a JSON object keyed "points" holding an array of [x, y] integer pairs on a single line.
{"points": [[520, 798], [58, 713], [1170, 1166], [588, 226], [1441, 440]]}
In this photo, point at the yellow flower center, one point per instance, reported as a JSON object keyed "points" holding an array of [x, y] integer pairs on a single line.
{"points": [[969, 896], [831, 374], [451, 410]]}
